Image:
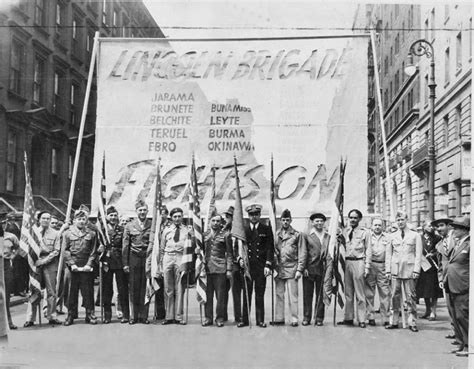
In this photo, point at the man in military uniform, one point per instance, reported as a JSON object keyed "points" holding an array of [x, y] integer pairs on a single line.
{"points": [[218, 262], [376, 277], [112, 266], [80, 253], [358, 258], [260, 254], [402, 265], [47, 268], [169, 265], [227, 220], [317, 270], [160, 312], [456, 281], [134, 251], [290, 255]]}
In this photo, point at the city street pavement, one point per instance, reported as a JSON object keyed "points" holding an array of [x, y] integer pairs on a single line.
{"points": [[192, 346]]}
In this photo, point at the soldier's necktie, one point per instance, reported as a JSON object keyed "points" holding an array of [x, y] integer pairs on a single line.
{"points": [[351, 234], [176, 235], [403, 234]]}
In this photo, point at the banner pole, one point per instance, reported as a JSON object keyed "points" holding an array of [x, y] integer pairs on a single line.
{"points": [[388, 180], [78, 152]]}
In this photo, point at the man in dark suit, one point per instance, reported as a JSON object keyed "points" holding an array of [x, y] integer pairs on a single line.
{"points": [[135, 243], [260, 251], [318, 265], [456, 280]]}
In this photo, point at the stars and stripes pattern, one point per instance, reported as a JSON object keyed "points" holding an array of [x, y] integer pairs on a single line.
{"points": [[195, 215], [30, 237], [104, 238], [212, 210], [337, 244]]}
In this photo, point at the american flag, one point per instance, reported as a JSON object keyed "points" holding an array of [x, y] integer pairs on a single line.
{"points": [[30, 238], [104, 238], [337, 244], [212, 211], [272, 215], [195, 215]]}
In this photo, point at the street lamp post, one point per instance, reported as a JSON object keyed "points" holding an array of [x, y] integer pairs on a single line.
{"points": [[420, 48]]}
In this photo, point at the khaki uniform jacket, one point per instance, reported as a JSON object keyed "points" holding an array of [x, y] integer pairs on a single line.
{"points": [[290, 253], [135, 240], [403, 256], [80, 247], [379, 246], [218, 252], [360, 247]]}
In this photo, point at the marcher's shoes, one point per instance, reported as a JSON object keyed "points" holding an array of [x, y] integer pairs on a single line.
{"points": [[455, 343], [386, 324], [242, 324], [319, 323], [144, 321], [124, 320], [167, 321], [69, 321], [90, 319], [206, 323], [413, 328], [277, 323], [220, 324], [182, 322], [55, 322], [456, 350], [106, 321], [391, 326], [262, 325], [294, 324], [426, 315], [305, 323], [131, 321], [463, 353], [362, 324], [28, 324], [372, 322], [450, 336], [432, 318], [12, 326], [346, 322]]}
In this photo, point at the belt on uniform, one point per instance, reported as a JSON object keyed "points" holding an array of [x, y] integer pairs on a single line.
{"points": [[173, 252], [354, 259], [378, 261]]}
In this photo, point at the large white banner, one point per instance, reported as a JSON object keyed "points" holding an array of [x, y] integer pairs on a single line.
{"points": [[302, 100]]}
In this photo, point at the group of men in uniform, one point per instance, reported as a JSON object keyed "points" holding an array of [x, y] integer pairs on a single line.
{"points": [[374, 260]]}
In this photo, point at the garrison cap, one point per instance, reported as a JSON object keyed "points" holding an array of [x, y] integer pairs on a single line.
{"points": [[139, 204], [111, 210], [254, 208], [80, 213], [230, 211], [286, 214]]}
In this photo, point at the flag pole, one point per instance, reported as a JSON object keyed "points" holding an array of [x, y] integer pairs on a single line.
{"points": [[388, 181], [78, 150], [273, 217]]}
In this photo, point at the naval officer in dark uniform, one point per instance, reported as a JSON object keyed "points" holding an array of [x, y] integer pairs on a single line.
{"points": [[260, 248]]}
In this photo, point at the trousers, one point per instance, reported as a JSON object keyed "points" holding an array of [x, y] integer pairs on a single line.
{"points": [[313, 286], [410, 295], [354, 286], [376, 280], [174, 291], [121, 280], [291, 286], [216, 284]]}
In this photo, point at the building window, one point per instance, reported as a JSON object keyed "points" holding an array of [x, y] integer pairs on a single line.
{"points": [[445, 131], [58, 90], [403, 108], [427, 89], [76, 37], [446, 66], [433, 28], [17, 60], [446, 13], [39, 13], [390, 96], [457, 117], [397, 43], [104, 13], [11, 160], [427, 26], [385, 67], [402, 73], [469, 32], [125, 27], [403, 31], [391, 55], [70, 166], [459, 51], [397, 83], [409, 19], [410, 100], [385, 99], [75, 91], [115, 25], [458, 198], [54, 161], [38, 75], [386, 31]]}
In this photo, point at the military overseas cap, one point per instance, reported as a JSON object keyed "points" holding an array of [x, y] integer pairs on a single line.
{"points": [[84, 208], [461, 222], [230, 211], [164, 208], [254, 208], [443, 218], [175, 210], [41, 213], [111, 210], [79, 213], [140, 204], [317, 216], [286, 214]]}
